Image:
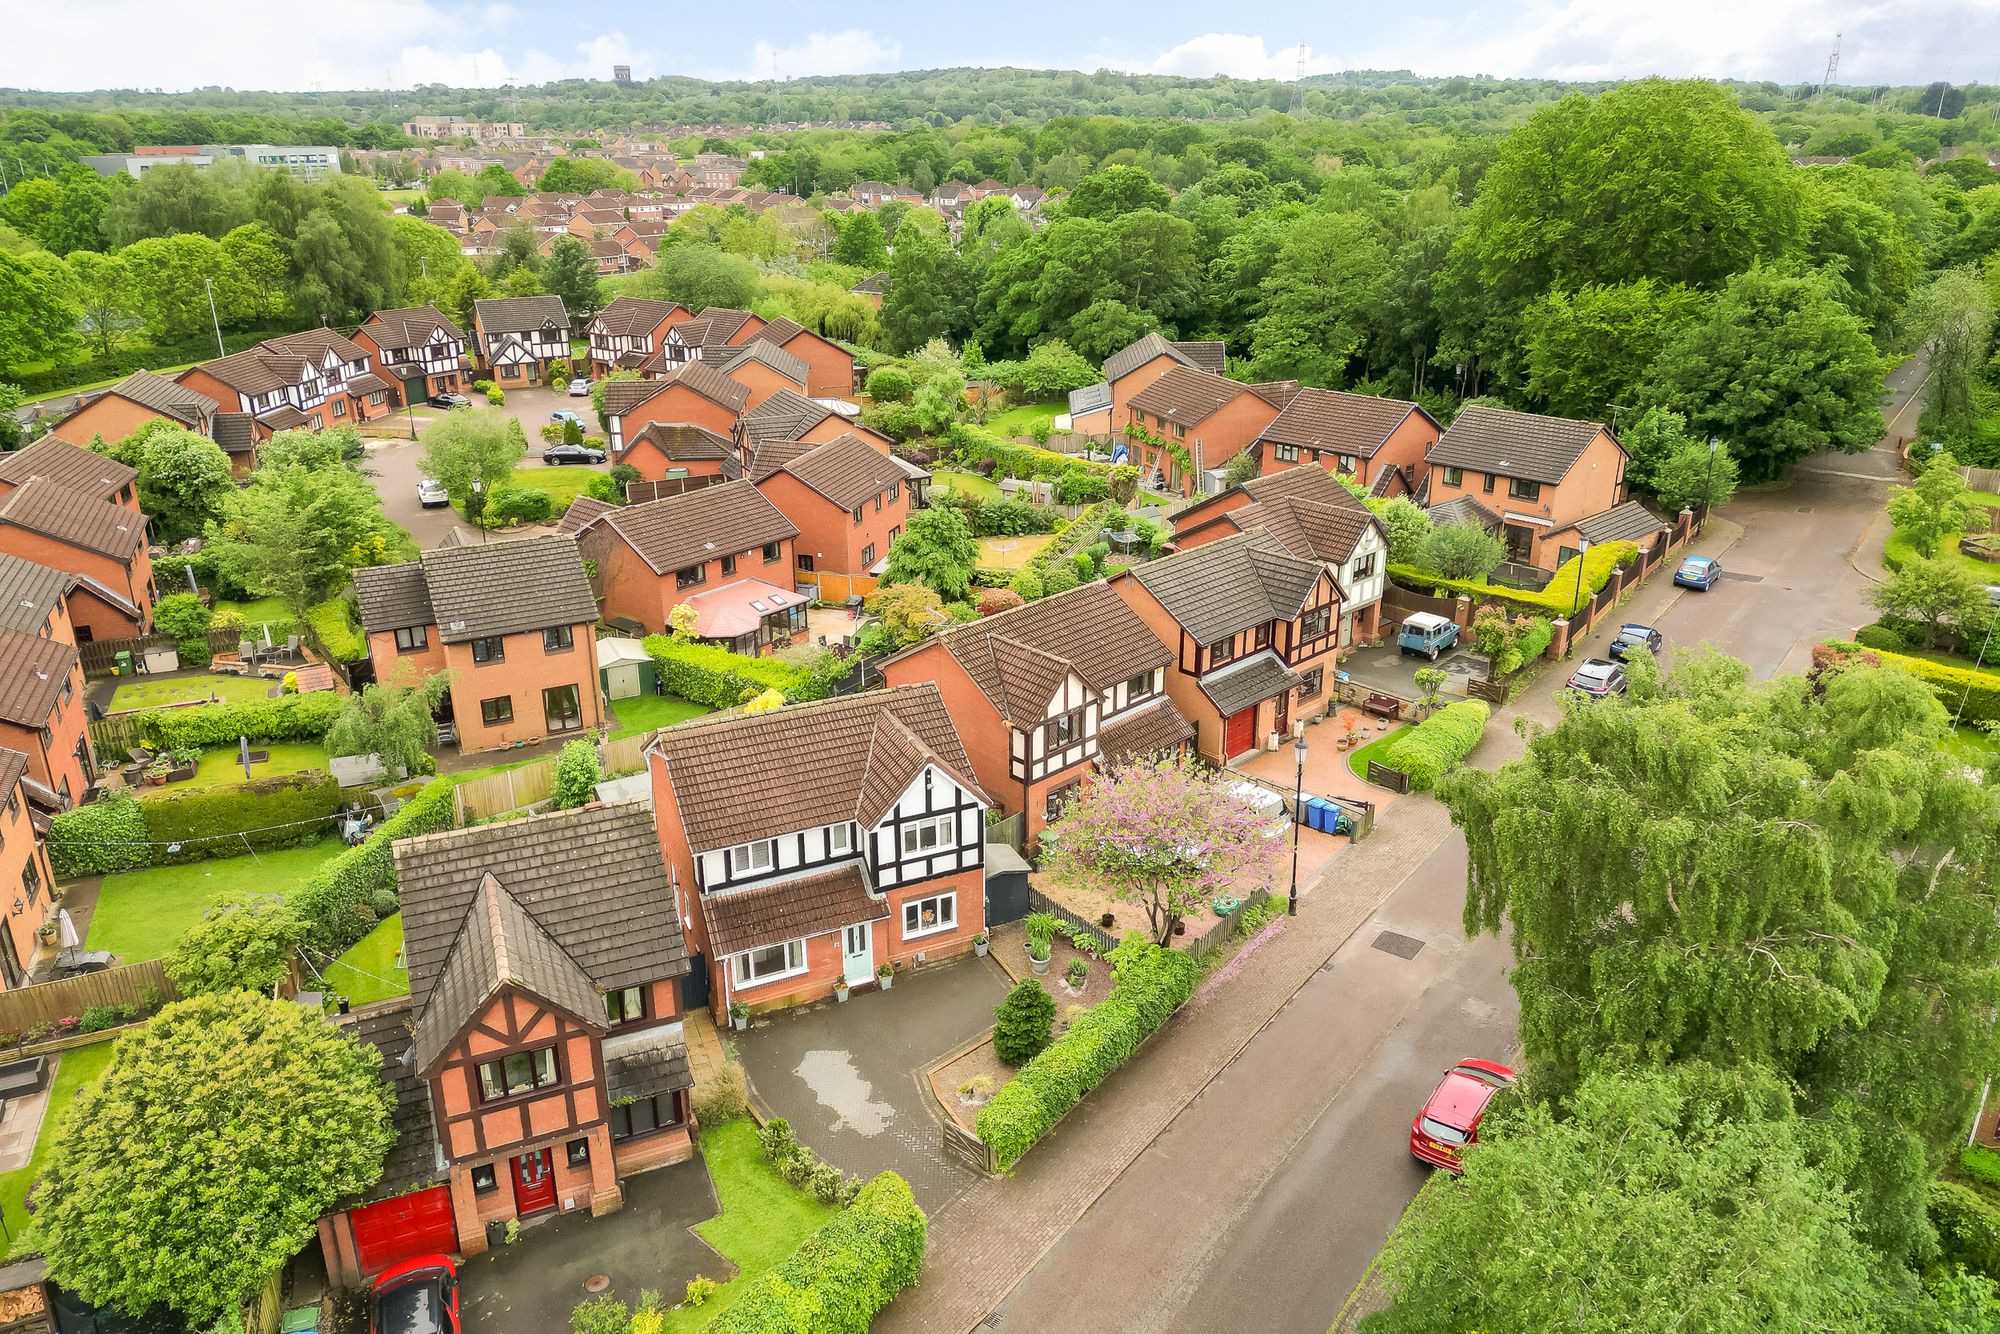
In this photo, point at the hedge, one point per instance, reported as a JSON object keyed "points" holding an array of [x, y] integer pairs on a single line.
{"points": [[286, 718], [712, 675], [1148, 984], [842, 1275], [1980, 690], [1560, 598], [100, 838], [281, 812], [1968, 1228], [971, 445], [337, 632], [343, 900], [1434, 745]]}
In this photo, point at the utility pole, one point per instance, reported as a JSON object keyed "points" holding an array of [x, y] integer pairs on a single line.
{"points": [[1299, 84], [1832, 68], [209, 283]]}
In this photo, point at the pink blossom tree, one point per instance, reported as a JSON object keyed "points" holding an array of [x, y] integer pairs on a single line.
{"points": [[1164, 832]]}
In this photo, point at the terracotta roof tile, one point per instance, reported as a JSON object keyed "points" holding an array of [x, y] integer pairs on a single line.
{"points": [[1514, 444], [628, 316], [162, 395], [82, 520], [33, 672], [711, 384], [29, 593], [410, 326], [499, 589], [1147, 731], [1324, 419], [393, 597], [1187, 396], [84, 471], [675, 532], [809, 906], [1223, 587], [1253, 680], [519, 314], [847, 470]]}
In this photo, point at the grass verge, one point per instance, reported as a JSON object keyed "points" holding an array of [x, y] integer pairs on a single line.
{"points": [[1357, 760], [763, 1217]]}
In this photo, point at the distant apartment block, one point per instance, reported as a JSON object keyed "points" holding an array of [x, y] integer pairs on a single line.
{"points": [[307, 161]]}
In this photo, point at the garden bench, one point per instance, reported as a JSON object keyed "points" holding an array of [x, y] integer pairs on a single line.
{"points": [[1383, 706]]}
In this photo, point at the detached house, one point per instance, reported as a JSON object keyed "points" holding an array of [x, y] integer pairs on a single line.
{"points": [[819, 842], [25, 873], [630, 332], [848, 500], [1358, 436], [1187, 424], [1131, 369], [101, 543], [830, 367], [1543, 475], [74, 468], [725, 551], [1045, 694], [716, 328], [694, 395], [416, 351], [141, 397], [1253, 630], [762, 368], [311, 379], [668, 453], [788, 416], [716, 332], [514, 622]]}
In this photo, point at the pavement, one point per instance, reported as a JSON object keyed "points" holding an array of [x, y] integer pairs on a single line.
{"points": [[849, 1076]]}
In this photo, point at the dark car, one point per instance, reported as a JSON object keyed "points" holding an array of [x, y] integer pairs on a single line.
{"points": [[452, 401], [1633, 635], [572, 454], [1698, 572], [1597, 679], [418, 1296]]}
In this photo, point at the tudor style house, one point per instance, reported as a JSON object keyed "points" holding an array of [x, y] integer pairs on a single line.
{"points": [[1542, 475], [1358, 436], [100, 543], [817, 843], [1253, 630], [1046, 693], [630, 332], [25, 874], [544, 1021], [514, 338], [513, 622], [314, 379], [1131, 369], [1315, 518], [847, 499], [416, 351]]}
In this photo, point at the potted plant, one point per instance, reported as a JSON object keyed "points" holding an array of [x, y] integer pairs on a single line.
{"points": [[1079, 973], [1107, 921], [885, 976], [157, 771], [976, 1091], [739, 1015], [979, 944], [840, 989], [1038, 954]]}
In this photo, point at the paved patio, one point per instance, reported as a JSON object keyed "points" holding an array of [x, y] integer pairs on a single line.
{"points": [[1385, 667], [849, 1077], [1327, 771]]}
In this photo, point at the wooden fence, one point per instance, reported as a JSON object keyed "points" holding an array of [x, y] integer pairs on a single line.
{"points": [[1399, 604], [638, 493], [967, 1148], [1393, 779], [111, 737], [1012, 830], [1981, 479], [49, 1002], [531, 784], [99, 656]]}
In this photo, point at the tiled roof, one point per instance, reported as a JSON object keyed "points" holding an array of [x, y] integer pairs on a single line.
{"points": [[1204, 355], [1465, 509], [1629, 522], [519, 314], [780, 331], [28, 593], [81, 470], [1324, 419], [1308, 527], [875, 284], [1090, 398], [1514, 444], [393, 597], [674, 532], [499, 589], [284, 417], [579, 514], [12, 765], [234, 432], [1230, 585], [1277, 393], [1148, 731], [82, 520], [1253, 680], [621, 396], [630, 315], [846, 470], [683, 440], [163, 395], [758, 775], [33, 672], [1187, 396], [278, 362], [785, 415], [410, 326], [645, 1064], [714, 327], [808, 906], [370, 383], [759, 352], [413, 1158], [711, 384]]}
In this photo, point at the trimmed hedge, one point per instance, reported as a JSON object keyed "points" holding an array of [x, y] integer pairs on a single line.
{"points": [[970, 446], [712, 675], [337, 632], [842, 1275], [1979, 689], [339, 904], [199, 726], [1148, 984], [1434, 745], [281, 812], [1558, 599], [100, 838]]}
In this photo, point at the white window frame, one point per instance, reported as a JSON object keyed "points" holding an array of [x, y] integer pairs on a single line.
{"points": [[939, 902], [947, 833], [743, 857], [839, 840], [795, 964]]}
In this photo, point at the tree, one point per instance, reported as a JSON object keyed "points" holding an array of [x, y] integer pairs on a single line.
{"points": [[11, 431], [1934, 507], [581, 175], [908, 613], [465, 286], [427, 255], [394, 722], [936, 548], [494, 179], [184, 479], [700, 276], [168, 278], [40, 308], [1694, 477], [1952, 317], [571, 273], [1934, 594], [1114, 192], [1657, 436], [861, 242], [243, 942], [1103, 327], [1239, 469], [890, 384], [290, 532], [1023, 1022], [255, 291], [482, 445], [1778, 368], [172, 201], [1052, 369], [1588, 351], [104, 293], [578, 772], [184, 617], [938, 402], [1164, 832], [927, 295], [1320, 299], [1786, 874], [204, 1157], [1463, 550], [1408, 526], [1690, 1198]]}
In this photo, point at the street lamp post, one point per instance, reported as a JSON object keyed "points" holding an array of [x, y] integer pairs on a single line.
{"points": [[209, 283], [1582, 545], [1298, 820]]}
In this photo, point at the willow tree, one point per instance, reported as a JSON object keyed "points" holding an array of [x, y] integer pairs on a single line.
{"points": [[1789, 874]]}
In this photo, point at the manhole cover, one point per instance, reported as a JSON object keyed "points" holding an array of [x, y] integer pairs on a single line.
{"points": [[992, 1321], [597, 1283], [1743, 578], [1398, 944]]}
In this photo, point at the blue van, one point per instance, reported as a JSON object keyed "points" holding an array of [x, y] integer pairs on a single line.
{"points": [[1426, 635]]}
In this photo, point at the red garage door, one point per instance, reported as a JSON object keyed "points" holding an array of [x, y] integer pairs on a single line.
{"points": [[1240, 734], [419, 1223]]}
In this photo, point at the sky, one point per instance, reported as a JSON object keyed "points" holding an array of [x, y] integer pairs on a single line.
{"points": [[68, 45]]}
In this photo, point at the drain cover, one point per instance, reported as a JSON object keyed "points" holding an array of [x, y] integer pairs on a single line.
{"points": [[1398, 944], [1805, 509], [597, 1283], [1743, 578]]}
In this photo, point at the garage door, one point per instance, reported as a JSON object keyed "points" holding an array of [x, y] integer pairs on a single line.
{"points": [[419, 1223], [1241, 733]]}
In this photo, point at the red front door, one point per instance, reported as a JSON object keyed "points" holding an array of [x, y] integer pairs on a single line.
{"points": [[534, 1183], [1240, 733]]}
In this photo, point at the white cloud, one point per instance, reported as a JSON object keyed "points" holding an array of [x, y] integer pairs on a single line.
{"points": [[1234, 54], [852, 51]]}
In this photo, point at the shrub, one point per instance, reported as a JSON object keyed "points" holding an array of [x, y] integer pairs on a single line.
{"points": [[97, 1018], [1981, 1164], [100, 838], [993, 601], [890, 384], [1968, 1228], [1558, 599], [496, 395], [1026, 584], [699, 1290], [335, 906], [826, 1182], [601, 1315], [1980, 690], [777, 1139], [1059, 579], [518, 504], [243, 943], [287, 718], [711, 675], [183, 616], [1023, 1022], [842, 1275], [280, 812], [1534, 639], [578, 772], [1434, 745]]}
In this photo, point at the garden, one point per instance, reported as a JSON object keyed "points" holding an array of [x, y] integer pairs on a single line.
{"points": [[372, 969], [142, 915], [76, 1069], [639, 714], [133, 694]]}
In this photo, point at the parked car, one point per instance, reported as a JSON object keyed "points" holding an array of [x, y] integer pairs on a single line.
{"points": [[1633, 635], [1426, 635], [1597, 678], [572, 454], [580, 388], [1450, 1118], [1698, 572], [452, 401], [566, 415], [418, 1296], [431, 493]]}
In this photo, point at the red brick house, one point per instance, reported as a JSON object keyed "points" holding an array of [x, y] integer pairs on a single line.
{"points": [[848, 500], [1131, 369], [515, 624], [830, 367], [819, 842], [42, 714], [25, 873], [101, 543], [630, 332], [693, 395], [141, 397], [544, 1026], [73, 467], [716, 328], [311, 379], [1543, 475], [663, 452], [762, 368], [724, 550], [515, 338], [1357, 436], [1253, 630], [1046, 694], [1208, 419], [788, 416], [416, 351]]}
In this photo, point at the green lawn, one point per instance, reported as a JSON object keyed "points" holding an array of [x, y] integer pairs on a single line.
{"points": [[1357, 759], [643, 713], [143, 692], [220, 767], [966, 484], [1021, 420], [1011, 553], [80, 1067], [260, 611], [562, 483], [140, 914], [1973, 746], [1897, 549], [763, 1219], [369, 971]]}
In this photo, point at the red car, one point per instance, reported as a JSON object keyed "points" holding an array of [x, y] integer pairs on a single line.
{"points": [[1450, 1120], [418, 1296]]}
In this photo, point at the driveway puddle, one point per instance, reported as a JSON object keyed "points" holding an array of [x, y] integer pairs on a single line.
{"points": [[841, 1090]]}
